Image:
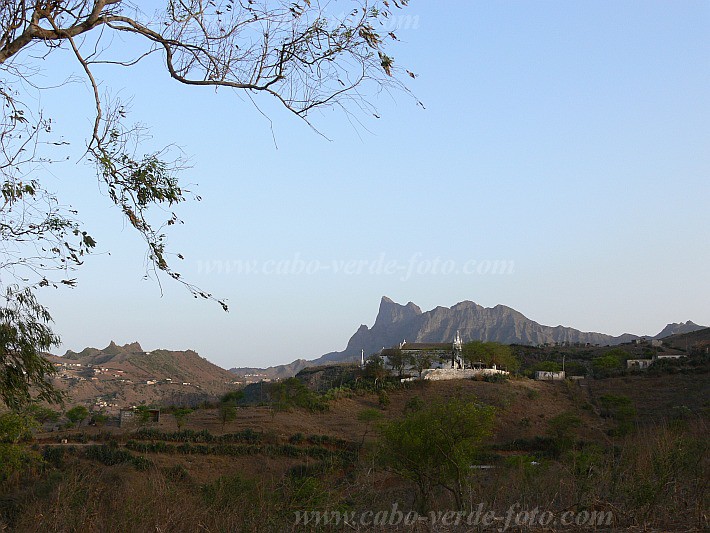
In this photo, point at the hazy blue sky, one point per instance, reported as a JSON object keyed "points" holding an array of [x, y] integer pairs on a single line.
{"points": [[569, 139]]}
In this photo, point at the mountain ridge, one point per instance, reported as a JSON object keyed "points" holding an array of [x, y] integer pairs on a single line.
{"points": [[395, 323], [127, 374]]}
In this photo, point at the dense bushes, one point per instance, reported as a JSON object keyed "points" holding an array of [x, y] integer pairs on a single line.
{"points": [[240, 450], [187, 435], [292, 392], [111, 455]]}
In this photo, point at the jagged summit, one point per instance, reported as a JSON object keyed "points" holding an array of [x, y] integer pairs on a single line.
{"points": [[396, 322], [133, 347], [391, 312], [678, 328]]}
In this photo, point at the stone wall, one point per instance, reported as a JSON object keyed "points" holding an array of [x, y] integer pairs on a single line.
{"points": [[542, 375], [440, 374]]}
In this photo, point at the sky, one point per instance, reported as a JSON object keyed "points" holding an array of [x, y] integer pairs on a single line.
{"points": [[559, 166]]}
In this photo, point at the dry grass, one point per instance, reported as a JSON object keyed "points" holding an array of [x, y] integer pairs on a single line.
{"points": [[655, 478]]}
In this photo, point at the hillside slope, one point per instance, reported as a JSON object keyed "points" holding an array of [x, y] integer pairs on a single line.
{"points": [[116, 376]]}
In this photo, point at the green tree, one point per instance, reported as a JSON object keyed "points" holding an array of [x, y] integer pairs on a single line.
{"points": [[420, 361], [606, 365], [547, 366], [375, 368], [234, 396], [291, 51], [573, 368], [490, 353], [99, 418], [383, 399], [42, 414], [620, 354], [435, 447], [25, 335], [227, 408], [292, 392], [561, 428], [181, 414], [15, 428], [227, 413], [142, 414], [504, 358], [15, 457], [397, 360], [77, 414]]}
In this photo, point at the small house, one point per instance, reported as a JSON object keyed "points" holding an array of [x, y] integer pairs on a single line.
{"points": [[543, 375]]}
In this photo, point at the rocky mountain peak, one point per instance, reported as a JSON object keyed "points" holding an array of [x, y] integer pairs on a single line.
{"points": [[676, 328], [126, 349], [391, 312]]}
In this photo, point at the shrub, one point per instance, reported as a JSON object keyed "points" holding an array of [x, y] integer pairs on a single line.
{"points": [[296, 439], [107, 455], [414, 404], [176, 473], [293, 393], [533, 394], [383, 399], [561, 429], [141, 463], [54, 455], [228, 492], [16, 460], [621, 410]]}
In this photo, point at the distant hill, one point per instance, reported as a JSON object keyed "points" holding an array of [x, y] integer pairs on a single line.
{"points": [[694, 340], [183, 366], [678, 329], [128, 374], [396, 322]]}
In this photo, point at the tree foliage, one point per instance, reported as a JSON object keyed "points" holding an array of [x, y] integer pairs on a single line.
{"points": [[41, 414], [181, 414], [547, 366], [606, 365], [24, 336], [421, 360], [227, 413], [15, 428], [398, 360], [490, 353], [561, 429], [374, 368], [77, 414], [292, 51], [435, 446], [621, 409], [291, 393]]}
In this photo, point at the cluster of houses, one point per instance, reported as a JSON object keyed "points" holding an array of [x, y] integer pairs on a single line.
{"points": [[642, 364], [166, 381]]}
